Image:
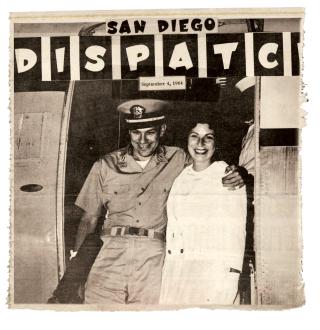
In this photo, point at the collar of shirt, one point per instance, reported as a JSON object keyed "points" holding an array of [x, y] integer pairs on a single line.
{"points": [[125, 157]]}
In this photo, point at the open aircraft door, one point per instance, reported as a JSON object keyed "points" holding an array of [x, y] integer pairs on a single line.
{"points": [[40, 126]]}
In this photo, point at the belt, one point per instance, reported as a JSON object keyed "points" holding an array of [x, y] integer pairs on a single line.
{"points": [[121, 231]]}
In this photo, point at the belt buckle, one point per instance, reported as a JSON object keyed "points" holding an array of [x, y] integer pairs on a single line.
{"points": [[150, 233]]}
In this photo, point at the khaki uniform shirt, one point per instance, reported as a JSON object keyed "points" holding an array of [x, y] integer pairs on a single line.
{"points": [[133, 196]]}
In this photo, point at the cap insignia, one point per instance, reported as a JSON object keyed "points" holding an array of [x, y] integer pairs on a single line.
{"points": [[137, 111]]}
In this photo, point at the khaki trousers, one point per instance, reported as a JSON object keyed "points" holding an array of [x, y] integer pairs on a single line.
{"points": [[127, 270]]}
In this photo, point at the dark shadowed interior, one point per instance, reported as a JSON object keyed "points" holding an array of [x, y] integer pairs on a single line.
{"points": [[96, 128]]}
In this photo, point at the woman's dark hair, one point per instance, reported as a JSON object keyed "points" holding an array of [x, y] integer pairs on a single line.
{"points": [[204, 115]]}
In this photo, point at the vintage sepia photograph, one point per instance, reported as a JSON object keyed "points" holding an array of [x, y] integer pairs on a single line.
{"points": [[155, 159]]}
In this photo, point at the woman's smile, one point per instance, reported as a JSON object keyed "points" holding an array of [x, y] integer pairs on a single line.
{"points": [[200, 151]]}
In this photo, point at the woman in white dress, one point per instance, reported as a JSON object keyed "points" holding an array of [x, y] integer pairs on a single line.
{"points": [[205, 231]]}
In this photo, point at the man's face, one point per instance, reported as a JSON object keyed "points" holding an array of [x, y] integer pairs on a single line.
{"points": [[145, 141]]}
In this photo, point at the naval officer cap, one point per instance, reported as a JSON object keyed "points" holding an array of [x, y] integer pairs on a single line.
{"points": [[143, 113]]}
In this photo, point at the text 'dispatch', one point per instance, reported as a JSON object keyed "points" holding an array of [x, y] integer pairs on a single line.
{"points": [[131, 57]]}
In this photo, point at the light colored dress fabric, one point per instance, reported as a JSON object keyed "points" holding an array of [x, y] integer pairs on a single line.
{"points": [[205, 238]]}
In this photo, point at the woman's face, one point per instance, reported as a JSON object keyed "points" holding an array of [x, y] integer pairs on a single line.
{"points": [[201, 144]]}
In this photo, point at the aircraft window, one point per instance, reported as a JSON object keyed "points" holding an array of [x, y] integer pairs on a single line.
{"points": [[31, 187]]}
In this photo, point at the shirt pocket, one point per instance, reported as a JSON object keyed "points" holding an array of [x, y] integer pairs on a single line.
{"points": [[117, 197], [161, 192]]}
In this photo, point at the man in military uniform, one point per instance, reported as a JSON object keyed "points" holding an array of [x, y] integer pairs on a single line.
{"points": [[133, 184]]}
